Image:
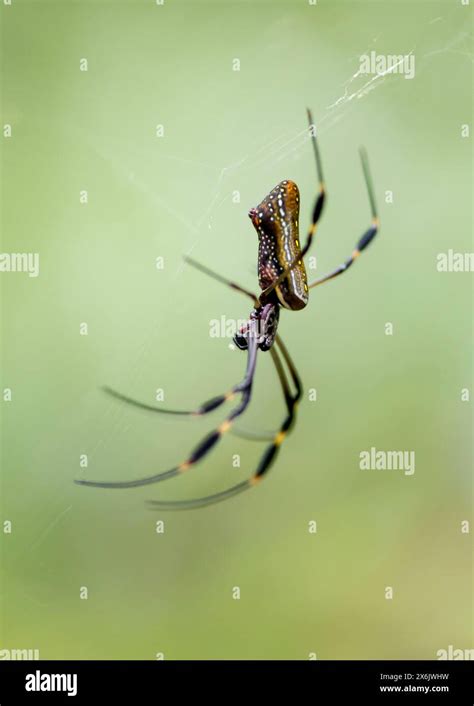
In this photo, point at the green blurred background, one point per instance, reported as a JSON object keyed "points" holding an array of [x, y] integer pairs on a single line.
{"points": [[151, 197]]}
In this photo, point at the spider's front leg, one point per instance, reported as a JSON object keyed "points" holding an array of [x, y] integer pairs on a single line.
{"points": [[209, 441], [211, 404]]}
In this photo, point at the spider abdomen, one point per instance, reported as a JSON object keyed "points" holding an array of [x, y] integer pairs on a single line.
{"points": [[276, 221]]}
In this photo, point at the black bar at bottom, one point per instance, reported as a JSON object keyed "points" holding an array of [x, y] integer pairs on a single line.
{"points": [[154, 682]]}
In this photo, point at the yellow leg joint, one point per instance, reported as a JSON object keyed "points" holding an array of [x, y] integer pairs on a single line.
{"points": [[279, 438], [225, 426]]}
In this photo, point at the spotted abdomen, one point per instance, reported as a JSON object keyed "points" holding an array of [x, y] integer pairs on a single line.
{"points": [[276, 222]]}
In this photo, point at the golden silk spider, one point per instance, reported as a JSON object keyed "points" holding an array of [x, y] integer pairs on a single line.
{"points": [[283, 283]]}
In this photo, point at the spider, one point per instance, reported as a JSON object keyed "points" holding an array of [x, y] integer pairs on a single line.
{"points": [[283, 283]]}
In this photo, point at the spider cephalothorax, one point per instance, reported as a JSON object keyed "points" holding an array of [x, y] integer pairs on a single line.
{"points": [[262, 325]]}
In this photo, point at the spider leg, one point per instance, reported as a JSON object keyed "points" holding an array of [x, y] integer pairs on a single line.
{"points": [[245, 434], [250, 435], [291, 367], [214, 402], [205, 408], [206, 444], [317, 210], [219, 278], [368, 236], [266, 460]]}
